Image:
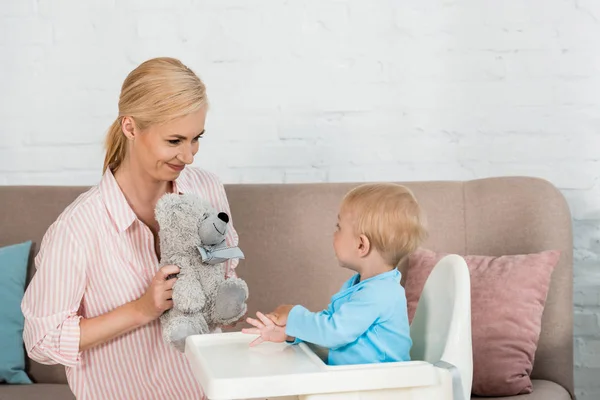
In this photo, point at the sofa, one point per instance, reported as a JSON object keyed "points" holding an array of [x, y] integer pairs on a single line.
{"points": [[286, 234]]}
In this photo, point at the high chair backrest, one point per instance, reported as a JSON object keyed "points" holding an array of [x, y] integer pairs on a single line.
{"points": [[441, 327]]}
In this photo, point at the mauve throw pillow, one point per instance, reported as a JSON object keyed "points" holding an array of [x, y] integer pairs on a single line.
{"points": [[508, 295]]}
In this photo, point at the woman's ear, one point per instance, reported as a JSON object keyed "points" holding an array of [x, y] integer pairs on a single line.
{"points": [[364, 246], [128, 127]]}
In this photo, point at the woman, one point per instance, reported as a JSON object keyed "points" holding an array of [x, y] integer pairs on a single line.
{"points": [[94, 302]]}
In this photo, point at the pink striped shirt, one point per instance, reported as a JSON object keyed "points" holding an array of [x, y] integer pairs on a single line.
{"points": [[94, 258]]}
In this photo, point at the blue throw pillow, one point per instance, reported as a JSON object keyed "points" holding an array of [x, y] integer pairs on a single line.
{"points": [[13, 270]]}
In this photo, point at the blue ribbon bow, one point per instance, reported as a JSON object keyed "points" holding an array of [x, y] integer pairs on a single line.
{"points": [[211, 255]]}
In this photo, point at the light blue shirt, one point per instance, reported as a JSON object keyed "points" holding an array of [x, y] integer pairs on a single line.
{"points": [[366, 322]]}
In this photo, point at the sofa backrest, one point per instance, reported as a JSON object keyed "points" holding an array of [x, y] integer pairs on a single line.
{"points": [[286, 234]]}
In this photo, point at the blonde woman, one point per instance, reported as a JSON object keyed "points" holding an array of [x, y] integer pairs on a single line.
{"points": [[94, 302]]}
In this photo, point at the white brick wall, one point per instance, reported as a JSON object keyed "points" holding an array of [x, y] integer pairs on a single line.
{"points": [[330, 91]]}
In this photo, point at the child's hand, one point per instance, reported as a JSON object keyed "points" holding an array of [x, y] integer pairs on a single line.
{"points": [[267, 330], [280, 314]]}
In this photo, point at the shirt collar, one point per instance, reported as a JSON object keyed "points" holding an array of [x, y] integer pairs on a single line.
{"points": [[118, 208], [352, 285], [393, 274]]}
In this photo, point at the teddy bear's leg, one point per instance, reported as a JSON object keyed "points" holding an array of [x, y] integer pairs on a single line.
{"points": [[177, 327], [230, 304], [188, 295]]}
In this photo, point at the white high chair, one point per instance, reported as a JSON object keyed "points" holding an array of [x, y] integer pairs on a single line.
{"points": [[441, 366]]}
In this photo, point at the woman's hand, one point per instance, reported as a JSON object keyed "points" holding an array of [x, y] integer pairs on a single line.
{"points": [[267, 330], [132, 315], [158, 297]]}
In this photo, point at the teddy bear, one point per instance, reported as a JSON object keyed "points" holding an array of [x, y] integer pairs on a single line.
{"points": [[192, 236]]}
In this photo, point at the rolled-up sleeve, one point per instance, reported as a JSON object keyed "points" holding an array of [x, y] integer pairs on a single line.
{"points": [[52, 301]]}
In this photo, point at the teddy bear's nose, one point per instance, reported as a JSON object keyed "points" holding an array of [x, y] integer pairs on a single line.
{"points": [[223, 217]]}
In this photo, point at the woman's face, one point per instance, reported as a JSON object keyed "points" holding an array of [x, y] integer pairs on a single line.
{"points": [[163, 151]]}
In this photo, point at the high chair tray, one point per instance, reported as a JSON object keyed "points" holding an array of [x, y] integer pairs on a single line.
{"points": [[227, 368]]}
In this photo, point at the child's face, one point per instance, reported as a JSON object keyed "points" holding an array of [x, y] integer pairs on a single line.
{"points": [[345, 241]]}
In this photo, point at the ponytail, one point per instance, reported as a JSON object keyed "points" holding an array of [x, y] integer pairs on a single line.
{"points": [[116, 146]]}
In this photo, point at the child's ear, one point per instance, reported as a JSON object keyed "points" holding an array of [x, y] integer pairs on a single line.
{"points": [[364, 246]]}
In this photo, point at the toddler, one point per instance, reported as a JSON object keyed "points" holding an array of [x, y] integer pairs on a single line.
{"points": [[379, 224]]}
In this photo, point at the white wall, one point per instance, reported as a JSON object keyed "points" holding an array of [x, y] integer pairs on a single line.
{"points": [[329, 91]]}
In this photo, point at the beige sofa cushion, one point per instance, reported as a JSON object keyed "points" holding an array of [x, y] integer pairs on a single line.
{"points": [[508, 294], [542, 390], [39, 391]]}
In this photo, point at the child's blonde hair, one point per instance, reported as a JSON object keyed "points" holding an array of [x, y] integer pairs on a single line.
{"points": [[389, 215], [157, 91]]}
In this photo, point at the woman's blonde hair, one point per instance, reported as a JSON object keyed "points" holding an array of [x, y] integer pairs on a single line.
{"points": [[389, 215], [157, 91]]}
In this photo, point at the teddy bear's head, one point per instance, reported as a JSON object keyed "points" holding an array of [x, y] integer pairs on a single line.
{"points": [[187, 221]]}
